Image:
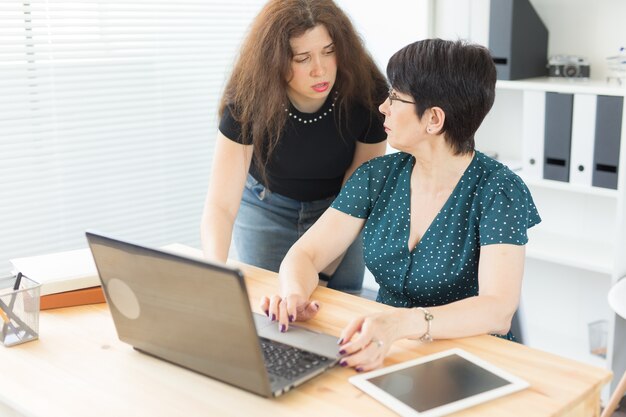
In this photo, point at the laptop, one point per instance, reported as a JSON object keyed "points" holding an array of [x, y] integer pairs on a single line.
{"points": [[196, 314]]}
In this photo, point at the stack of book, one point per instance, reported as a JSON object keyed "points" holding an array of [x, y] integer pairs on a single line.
{"points": [[67, 278]]}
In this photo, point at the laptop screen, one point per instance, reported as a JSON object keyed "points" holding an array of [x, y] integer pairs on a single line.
{"points": [[190, 312]]}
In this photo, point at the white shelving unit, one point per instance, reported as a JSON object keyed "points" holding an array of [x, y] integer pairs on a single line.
{"points": [[564, 85], [574, 252], [579, 250]]}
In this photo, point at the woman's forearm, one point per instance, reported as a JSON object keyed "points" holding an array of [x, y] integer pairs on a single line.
{"points": [[231, 162], [215, 233], [298, 275], [468, 317]]}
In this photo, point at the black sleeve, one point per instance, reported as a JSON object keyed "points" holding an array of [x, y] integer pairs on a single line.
{"points": [[231, 128]]}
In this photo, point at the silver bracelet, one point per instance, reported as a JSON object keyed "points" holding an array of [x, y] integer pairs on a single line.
{"points": [[426, 337]]}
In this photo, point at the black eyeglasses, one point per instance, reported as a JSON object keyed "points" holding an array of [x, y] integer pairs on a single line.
{"points": [[393, 97]]}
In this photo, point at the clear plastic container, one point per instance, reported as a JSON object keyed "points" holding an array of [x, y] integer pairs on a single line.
{"points": [[19, 310], [598, 337]]}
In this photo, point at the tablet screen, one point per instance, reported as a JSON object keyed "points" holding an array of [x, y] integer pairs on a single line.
{"points": [[439, 382]]}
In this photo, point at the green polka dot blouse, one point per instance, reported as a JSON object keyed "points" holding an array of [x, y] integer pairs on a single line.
{"points": [[489, 205]]}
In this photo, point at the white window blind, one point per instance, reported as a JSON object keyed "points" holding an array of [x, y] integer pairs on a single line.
{"points": [[108, 114]]}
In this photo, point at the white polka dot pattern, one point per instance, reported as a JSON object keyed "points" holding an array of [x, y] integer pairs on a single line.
{"points": [[489, 205]]}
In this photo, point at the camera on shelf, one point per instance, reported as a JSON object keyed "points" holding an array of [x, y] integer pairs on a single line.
{"points": [[568, 66]]}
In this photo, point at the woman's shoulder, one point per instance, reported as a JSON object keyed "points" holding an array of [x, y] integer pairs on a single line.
{"points": [[498, 178], [230, 126], [502, 194], [493, 170], [388, 162]]}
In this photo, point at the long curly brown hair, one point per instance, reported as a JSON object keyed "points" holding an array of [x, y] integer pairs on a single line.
{"points": [[257, 88]]}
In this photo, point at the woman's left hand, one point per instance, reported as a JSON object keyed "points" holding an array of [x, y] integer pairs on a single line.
{"points": [[366, 341]]}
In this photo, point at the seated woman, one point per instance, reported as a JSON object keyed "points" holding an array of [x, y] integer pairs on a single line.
{"points": [[444, 225]]}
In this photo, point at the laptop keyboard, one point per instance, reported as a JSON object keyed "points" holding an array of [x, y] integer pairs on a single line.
{"points": [[288, 361]]}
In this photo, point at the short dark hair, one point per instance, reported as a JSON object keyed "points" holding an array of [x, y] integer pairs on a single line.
{"points": [[457, 76]]}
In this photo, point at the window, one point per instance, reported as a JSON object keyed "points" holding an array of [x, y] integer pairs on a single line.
{"points": [[108, 113]]}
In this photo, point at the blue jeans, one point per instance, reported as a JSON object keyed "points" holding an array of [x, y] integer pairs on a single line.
{"points": [[268, 224]]}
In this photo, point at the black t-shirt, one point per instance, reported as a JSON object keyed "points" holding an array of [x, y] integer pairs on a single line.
{"points": [[311, 158]]}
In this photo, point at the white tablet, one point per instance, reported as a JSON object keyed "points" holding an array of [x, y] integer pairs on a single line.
{"points": [[438, 384]]}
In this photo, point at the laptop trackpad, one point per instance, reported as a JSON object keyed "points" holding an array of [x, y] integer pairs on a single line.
{"points": [[319, 343]]}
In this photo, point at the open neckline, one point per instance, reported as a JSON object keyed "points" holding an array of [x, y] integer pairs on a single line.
{"points": [[441, 210], [328, 103]]}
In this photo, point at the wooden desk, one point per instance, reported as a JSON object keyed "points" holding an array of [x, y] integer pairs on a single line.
{"points": [[80, 368]]}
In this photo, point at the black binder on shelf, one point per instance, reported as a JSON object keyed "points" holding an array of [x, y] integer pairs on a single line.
{"points": [[518, 40], [558, 136], [607, 144]]}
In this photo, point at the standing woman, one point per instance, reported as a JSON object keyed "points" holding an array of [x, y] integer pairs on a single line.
{"points": [[298, 116]]}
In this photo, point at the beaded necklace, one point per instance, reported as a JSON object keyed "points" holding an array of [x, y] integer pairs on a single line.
{"points": [[314, 119]]}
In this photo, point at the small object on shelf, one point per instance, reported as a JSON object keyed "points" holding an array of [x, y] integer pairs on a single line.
{"points": [[568, 66], [617, 66]]}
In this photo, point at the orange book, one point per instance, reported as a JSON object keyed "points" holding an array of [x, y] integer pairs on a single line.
{"points": [[92, 295]]}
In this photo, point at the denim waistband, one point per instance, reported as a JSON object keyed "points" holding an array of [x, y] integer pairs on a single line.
{"points": [[263, 194]]}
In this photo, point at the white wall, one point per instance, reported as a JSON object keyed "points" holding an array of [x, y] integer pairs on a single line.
{"points": [[387, 28], [462, 19]]}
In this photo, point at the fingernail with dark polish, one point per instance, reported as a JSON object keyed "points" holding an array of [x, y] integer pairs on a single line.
{"points": [[291, 318], [340, 341], [267, 313], [359, 369], [342, 352], [343, 363], [283, 328], [273, 317]]}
